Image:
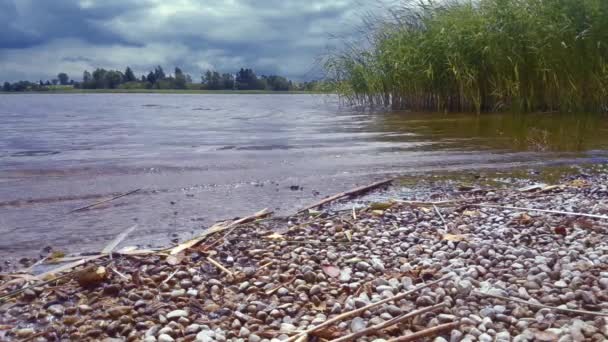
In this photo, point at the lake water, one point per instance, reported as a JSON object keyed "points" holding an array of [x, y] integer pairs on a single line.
{"points": [[201, 158]]}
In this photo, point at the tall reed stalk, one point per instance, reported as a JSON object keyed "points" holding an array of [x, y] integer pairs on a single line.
{"points": [[481, 56]]}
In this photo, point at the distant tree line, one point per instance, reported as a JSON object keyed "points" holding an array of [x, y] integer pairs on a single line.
{"points": [[244, 79]]}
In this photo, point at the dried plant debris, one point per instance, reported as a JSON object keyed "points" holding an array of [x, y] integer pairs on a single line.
{"points": [[455, 266]]}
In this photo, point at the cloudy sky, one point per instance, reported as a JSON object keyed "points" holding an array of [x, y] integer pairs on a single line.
{"points": [[40, 38]]}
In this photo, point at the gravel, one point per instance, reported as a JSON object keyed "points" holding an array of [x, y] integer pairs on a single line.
{"points": [[291, 274]]}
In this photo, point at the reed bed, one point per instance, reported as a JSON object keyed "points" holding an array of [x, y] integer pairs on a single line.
{"points": [[481, 56]]}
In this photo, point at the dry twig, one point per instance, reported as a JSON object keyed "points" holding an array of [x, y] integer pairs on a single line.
{"points": [[441, 217], [521, 301], [384, 325], [367, 307], [220, 266], [419, 335], [541, 210], [216, 229]]}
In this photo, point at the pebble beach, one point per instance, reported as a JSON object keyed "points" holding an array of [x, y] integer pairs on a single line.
{"points": [[525, 262]]}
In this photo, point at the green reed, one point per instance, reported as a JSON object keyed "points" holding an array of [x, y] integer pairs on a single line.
{"points": [[482, 56]]}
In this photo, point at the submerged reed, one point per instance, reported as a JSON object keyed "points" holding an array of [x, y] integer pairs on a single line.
{"points": [[482, 56]]}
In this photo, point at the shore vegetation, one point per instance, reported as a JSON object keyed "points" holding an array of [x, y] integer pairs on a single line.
{"points": [[479, 56], [157, 80]]}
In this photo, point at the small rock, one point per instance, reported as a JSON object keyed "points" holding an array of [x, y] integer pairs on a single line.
{"points": [[485, 338], [316, 289], [560, 284], [23, 333], [165, 338], [254, 338], [166, 331], [287, 328], [205, 336], [361, 302], [175, 314], [394, 310], [193, 328], [424, 301], [345, 274], [464, 287], [244, 332], [546, 336], [118, 311], [363, 266], [357, 324], [111, 290], [29, 295], [503, 336], [455, 336], [56, 309], [310, 277], [178, 293]]}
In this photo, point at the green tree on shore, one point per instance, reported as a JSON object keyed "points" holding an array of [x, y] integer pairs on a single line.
{"points": [[180, 79], [129, 75], [63, 78], [212, 80], [101, 78]]}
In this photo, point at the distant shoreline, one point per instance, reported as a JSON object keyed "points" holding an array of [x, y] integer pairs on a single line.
{"points": [[161, 91]]}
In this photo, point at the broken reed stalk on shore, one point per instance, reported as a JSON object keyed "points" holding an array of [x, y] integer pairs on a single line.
{"points": [[384, 325], [216, 229], [53, 274], [521, 301], [367, 307], [352, 192], [219, 266], [110, 247], [569, 213], [441, 217], [482, 205], [419, 335]]}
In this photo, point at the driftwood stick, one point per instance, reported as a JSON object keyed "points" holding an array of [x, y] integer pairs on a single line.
{"points": [[261, 214], [216, 229], [419, 335], [104, 201], [302, 338], [521, 301], [441, 217], [367, 307], [355, 191], [438, 203], [384, 325], [542, 211], [220, 266]]}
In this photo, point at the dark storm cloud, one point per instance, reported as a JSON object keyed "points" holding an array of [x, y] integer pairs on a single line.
{"points": [[33, 22], [41, 37]]}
